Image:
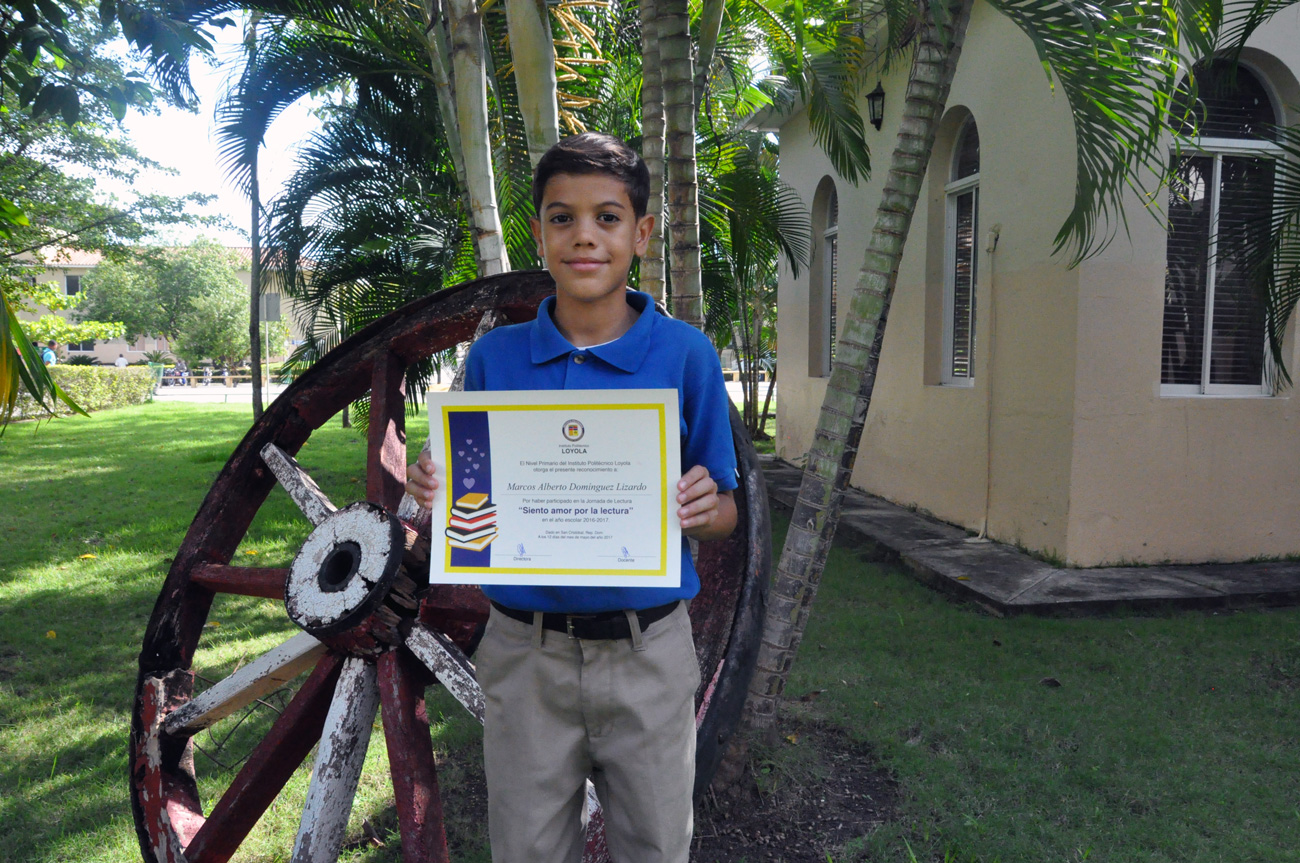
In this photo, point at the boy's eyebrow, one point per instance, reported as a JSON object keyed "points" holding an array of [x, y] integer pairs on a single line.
{"points": [[609, 203]]}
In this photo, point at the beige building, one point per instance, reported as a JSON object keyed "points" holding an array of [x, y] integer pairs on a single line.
{"points": [[1121, 411], [67, 267]]}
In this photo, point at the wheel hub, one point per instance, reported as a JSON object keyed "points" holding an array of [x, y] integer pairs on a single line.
{"points": [[347, 586]]}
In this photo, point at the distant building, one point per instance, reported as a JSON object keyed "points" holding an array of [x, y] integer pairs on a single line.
{"points": [[67, 267]]}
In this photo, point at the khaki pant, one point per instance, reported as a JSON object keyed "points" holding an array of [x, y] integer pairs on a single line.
{"points": [[567, 709]]}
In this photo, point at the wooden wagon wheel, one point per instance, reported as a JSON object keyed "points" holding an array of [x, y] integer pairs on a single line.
{"points": [[373, 635]]}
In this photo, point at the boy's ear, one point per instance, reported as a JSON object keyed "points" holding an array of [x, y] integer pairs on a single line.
{"points": [[536, 225], [644, 230]]}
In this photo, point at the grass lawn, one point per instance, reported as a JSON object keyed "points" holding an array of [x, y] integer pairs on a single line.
{"points": [[1171, 737]]}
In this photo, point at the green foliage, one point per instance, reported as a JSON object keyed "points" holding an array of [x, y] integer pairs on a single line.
{"points": [[373, 204], [53, 65], [22, 369], [750, 221], [154, 292], [46, 327], [93, 387], [62, 89], [216, 327]]}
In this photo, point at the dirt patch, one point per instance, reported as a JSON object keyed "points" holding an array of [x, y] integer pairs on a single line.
{"points": [[815, 792], [794, 803]]}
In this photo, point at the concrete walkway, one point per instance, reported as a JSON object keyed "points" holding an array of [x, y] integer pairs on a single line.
{"points": [[1007, 581], [216, 393]]}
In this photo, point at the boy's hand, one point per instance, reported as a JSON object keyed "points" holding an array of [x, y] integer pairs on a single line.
{"points": [[705, 512], [420, 481]]}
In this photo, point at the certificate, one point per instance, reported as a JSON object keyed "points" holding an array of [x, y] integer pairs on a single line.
{"points": [[556, 487]]}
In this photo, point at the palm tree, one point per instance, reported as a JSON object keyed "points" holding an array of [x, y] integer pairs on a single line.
{"points": [[750, 221]]}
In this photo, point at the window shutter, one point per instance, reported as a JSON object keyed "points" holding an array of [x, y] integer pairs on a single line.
{"points": [[963, 294]]}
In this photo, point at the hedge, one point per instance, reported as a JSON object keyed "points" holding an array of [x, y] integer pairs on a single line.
{"points": [[94, 388]]}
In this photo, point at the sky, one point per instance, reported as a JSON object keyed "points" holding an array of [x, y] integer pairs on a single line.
{"points": [[185, 141]]}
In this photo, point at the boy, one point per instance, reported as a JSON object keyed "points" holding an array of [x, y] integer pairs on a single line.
{"points": [[598, 682]]}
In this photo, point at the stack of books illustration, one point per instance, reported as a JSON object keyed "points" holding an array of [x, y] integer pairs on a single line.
{"points": [[473, 522]]}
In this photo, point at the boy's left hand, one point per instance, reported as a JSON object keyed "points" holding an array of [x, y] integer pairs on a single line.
{"points": [[705, 512]]}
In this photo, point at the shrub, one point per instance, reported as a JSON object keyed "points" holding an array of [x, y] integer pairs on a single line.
{"points": [[94, 388]]}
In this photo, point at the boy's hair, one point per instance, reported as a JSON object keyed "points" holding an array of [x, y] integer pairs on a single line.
{"points": [[595, 153]]}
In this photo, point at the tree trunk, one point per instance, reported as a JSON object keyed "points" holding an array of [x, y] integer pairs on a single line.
{"points": [[767, 405], [255, 293], [469, 77], [652, 148], [756, 342], [853, 375], [532, 50], [458, 60], [438, 46], [674, 33], [710, 28]]}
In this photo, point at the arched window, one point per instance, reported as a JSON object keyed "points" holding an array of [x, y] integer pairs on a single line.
{"points": [[823, 280], [1221, 197], [961, 259]]}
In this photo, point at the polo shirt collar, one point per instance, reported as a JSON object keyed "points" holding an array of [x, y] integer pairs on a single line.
{"points": [[626, 353]]}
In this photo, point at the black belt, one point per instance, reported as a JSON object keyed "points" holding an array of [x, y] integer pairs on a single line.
{"points": [[605, 625]]}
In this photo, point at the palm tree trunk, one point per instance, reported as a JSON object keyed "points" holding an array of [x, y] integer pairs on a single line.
{"points": [[438, 46], [255, 293], [679, 139], [853, 376], [767, 404], [532, 50], [710, 28], [652, 148], [469, 74], [756, 348]]}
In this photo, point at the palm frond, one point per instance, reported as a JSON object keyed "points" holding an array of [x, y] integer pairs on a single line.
{"points": [[1117, 64]]}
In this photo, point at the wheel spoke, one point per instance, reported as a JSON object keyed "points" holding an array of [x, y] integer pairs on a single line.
{"points": [[596, 849], [449, 664], [386, 446], [269, 766], [298, 483], [263, 675], [410, 759], [242, 580], [339, 760]]}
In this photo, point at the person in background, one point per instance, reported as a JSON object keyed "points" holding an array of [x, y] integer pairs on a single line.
{"points": [[48, 356], [120, 362]]}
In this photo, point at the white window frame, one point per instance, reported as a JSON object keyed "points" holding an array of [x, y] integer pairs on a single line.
{"points": [[952, 191], [1217, 148], [76, 347]]}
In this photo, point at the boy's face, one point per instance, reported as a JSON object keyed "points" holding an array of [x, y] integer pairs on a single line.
{"points": [[588, 234]]}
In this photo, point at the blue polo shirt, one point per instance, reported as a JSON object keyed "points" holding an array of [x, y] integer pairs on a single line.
{"points": [[656, 353]]}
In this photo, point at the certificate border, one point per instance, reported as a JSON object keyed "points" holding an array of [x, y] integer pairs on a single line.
{"points": [[658, 408]]}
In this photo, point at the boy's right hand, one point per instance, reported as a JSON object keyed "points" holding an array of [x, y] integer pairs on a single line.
{"points": [[420, 481]]}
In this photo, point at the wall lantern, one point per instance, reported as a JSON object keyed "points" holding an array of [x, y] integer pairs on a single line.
{"points": [[876, 105]]}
